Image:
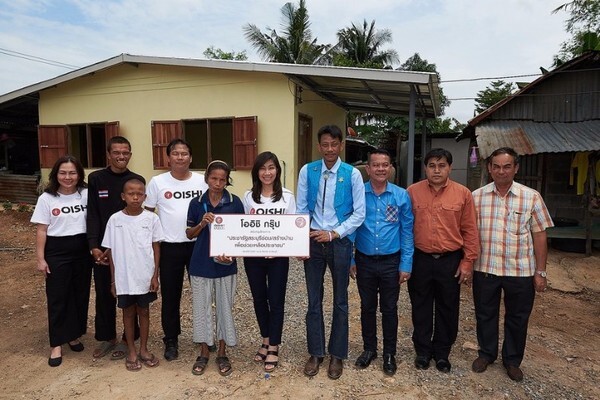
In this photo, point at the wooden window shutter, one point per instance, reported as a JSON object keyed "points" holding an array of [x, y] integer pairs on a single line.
{"points": [[111, 129], [245, 133], [162, 133], [52, 140]]}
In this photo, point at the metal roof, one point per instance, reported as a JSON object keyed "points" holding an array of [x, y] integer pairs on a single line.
{"points": [[528, 137], [590, 58], [353, 89]]}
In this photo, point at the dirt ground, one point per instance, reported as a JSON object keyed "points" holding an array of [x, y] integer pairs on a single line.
{"points": [[562, 360]]}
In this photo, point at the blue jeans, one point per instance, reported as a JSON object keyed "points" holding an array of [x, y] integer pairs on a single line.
{"points": [[336, 255]]}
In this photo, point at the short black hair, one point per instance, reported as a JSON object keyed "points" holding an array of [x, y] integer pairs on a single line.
{"points": [[438, 153], [505, 150], [117, 140], [133, 180], [333, 130], [177, 141], [378, 151]]}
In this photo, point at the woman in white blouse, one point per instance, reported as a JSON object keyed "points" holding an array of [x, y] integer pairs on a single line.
{"points": [[268, 276], [63, 255]]}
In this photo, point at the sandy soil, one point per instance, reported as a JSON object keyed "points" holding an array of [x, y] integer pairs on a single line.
{"points": [[562, 359]]}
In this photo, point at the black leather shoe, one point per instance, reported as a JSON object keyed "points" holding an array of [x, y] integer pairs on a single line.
{"points": [[311, 368], [480, 364], [422, 362], [389, 364], [336, 367], [443, 365], [514, 373], [171, 349], [364, 360]]}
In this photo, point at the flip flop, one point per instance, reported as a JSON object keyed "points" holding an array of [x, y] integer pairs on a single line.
{"points": [[133, 366], [119, 352], [224, 364], [103, 349], [200, 365], [149, 362]]}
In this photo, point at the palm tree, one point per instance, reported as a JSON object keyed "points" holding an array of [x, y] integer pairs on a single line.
{"points": [[361, 46], [294, 46]]}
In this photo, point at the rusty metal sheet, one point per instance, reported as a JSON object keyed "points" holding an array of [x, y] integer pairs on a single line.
{"points": [[528, 137]]}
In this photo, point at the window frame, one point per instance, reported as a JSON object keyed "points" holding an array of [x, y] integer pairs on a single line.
{"points": [[244, 140], [55, 141]]}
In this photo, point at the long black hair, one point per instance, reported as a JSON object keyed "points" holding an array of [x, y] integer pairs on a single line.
{"points": [[261, 160], [53, 185]]}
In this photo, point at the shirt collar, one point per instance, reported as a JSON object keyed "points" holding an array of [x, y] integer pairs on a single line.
{"points": [[333, 169], [225, 199], [514, 189], [444, 186], [369, 188]]}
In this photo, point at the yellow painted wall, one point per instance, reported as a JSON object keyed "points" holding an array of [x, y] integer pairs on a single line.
{"points": [[137, 95]]}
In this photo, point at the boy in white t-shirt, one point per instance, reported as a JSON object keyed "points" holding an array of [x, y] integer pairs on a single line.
{"points": [[133, 236]]}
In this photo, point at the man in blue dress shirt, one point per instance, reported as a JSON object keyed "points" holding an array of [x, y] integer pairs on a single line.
{"points": [[332, 193], [384, 251]]}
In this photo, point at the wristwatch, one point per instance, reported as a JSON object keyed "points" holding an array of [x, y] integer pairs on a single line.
{"points": [[543, 274]]}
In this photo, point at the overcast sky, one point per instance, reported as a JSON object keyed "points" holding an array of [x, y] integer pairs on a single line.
{"points": [[465, 39]]}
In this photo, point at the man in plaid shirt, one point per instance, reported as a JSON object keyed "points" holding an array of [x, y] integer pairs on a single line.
{"points": [[512, 220]]}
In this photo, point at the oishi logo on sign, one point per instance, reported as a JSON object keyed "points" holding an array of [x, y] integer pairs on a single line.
{"points": [[187, 194], [300, 222]]}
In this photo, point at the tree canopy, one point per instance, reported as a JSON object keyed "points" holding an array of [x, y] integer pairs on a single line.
{"points": [[361, 46], [295, 44], [218, 54], [584, 26], [495, 92], [416, 63]]}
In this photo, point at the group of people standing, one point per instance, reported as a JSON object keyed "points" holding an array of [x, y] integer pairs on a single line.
{"points": [[435, 236]]}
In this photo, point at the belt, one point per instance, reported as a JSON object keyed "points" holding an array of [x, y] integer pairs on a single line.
{"points": [[438, 255], [378, 257]]}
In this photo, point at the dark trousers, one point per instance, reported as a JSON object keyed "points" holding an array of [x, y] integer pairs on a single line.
{"points": [[105, 321], [378, 275], [337, 256], [435, 298], [267, 278], [174, 260], [67, 287], [519, 295]]}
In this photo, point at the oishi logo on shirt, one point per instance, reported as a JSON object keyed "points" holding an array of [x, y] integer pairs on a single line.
{"points": [[267, 211], [187, 194], [68, 210]]}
